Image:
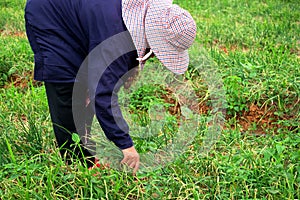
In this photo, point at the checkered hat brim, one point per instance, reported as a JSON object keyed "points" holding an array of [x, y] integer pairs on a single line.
{"points": [[134, 13], [169, 30]]}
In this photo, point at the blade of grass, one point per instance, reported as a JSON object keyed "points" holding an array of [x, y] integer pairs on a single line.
{"points": [[11, 153]]}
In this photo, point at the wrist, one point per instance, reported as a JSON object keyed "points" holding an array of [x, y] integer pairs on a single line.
{"points": [[129, 149]]}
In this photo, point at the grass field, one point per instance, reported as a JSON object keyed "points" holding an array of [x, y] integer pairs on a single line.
{"points": [[254, 46]]}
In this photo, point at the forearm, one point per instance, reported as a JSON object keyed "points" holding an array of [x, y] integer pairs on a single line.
{"points": [[111, 120], [108, 111]]}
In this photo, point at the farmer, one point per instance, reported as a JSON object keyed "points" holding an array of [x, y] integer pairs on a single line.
{"points": [[63, 33]]}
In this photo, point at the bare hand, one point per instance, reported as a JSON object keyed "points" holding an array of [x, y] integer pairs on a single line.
{"points": [[131, 158]]}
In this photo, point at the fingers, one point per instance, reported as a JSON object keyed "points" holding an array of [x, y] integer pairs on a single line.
{"points": [[136, 167], [131, 159], [125, 160]]}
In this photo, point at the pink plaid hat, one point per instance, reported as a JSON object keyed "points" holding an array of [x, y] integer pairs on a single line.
{"points": [[162, 26]]}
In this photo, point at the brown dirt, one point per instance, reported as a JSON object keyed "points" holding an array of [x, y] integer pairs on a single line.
{"points": [[20, 34], [257, 119], [263, 118], [232, 48], [22, 81]]}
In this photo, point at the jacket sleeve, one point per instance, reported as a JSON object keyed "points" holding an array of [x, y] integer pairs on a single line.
{"points": [[107, 108], [108, 61]]}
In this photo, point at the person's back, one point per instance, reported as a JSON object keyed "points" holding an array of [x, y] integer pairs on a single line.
{"points": [[63, 32]]}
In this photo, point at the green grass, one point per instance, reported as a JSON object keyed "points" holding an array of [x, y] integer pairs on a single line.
{"points": [[255, 48], [12, 20], [15, 57]]}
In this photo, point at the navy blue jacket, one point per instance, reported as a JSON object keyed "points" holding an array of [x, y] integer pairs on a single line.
{"points": [[62, 33]]}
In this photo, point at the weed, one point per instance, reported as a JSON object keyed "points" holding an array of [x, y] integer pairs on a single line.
{"points": [[253, 45]]}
